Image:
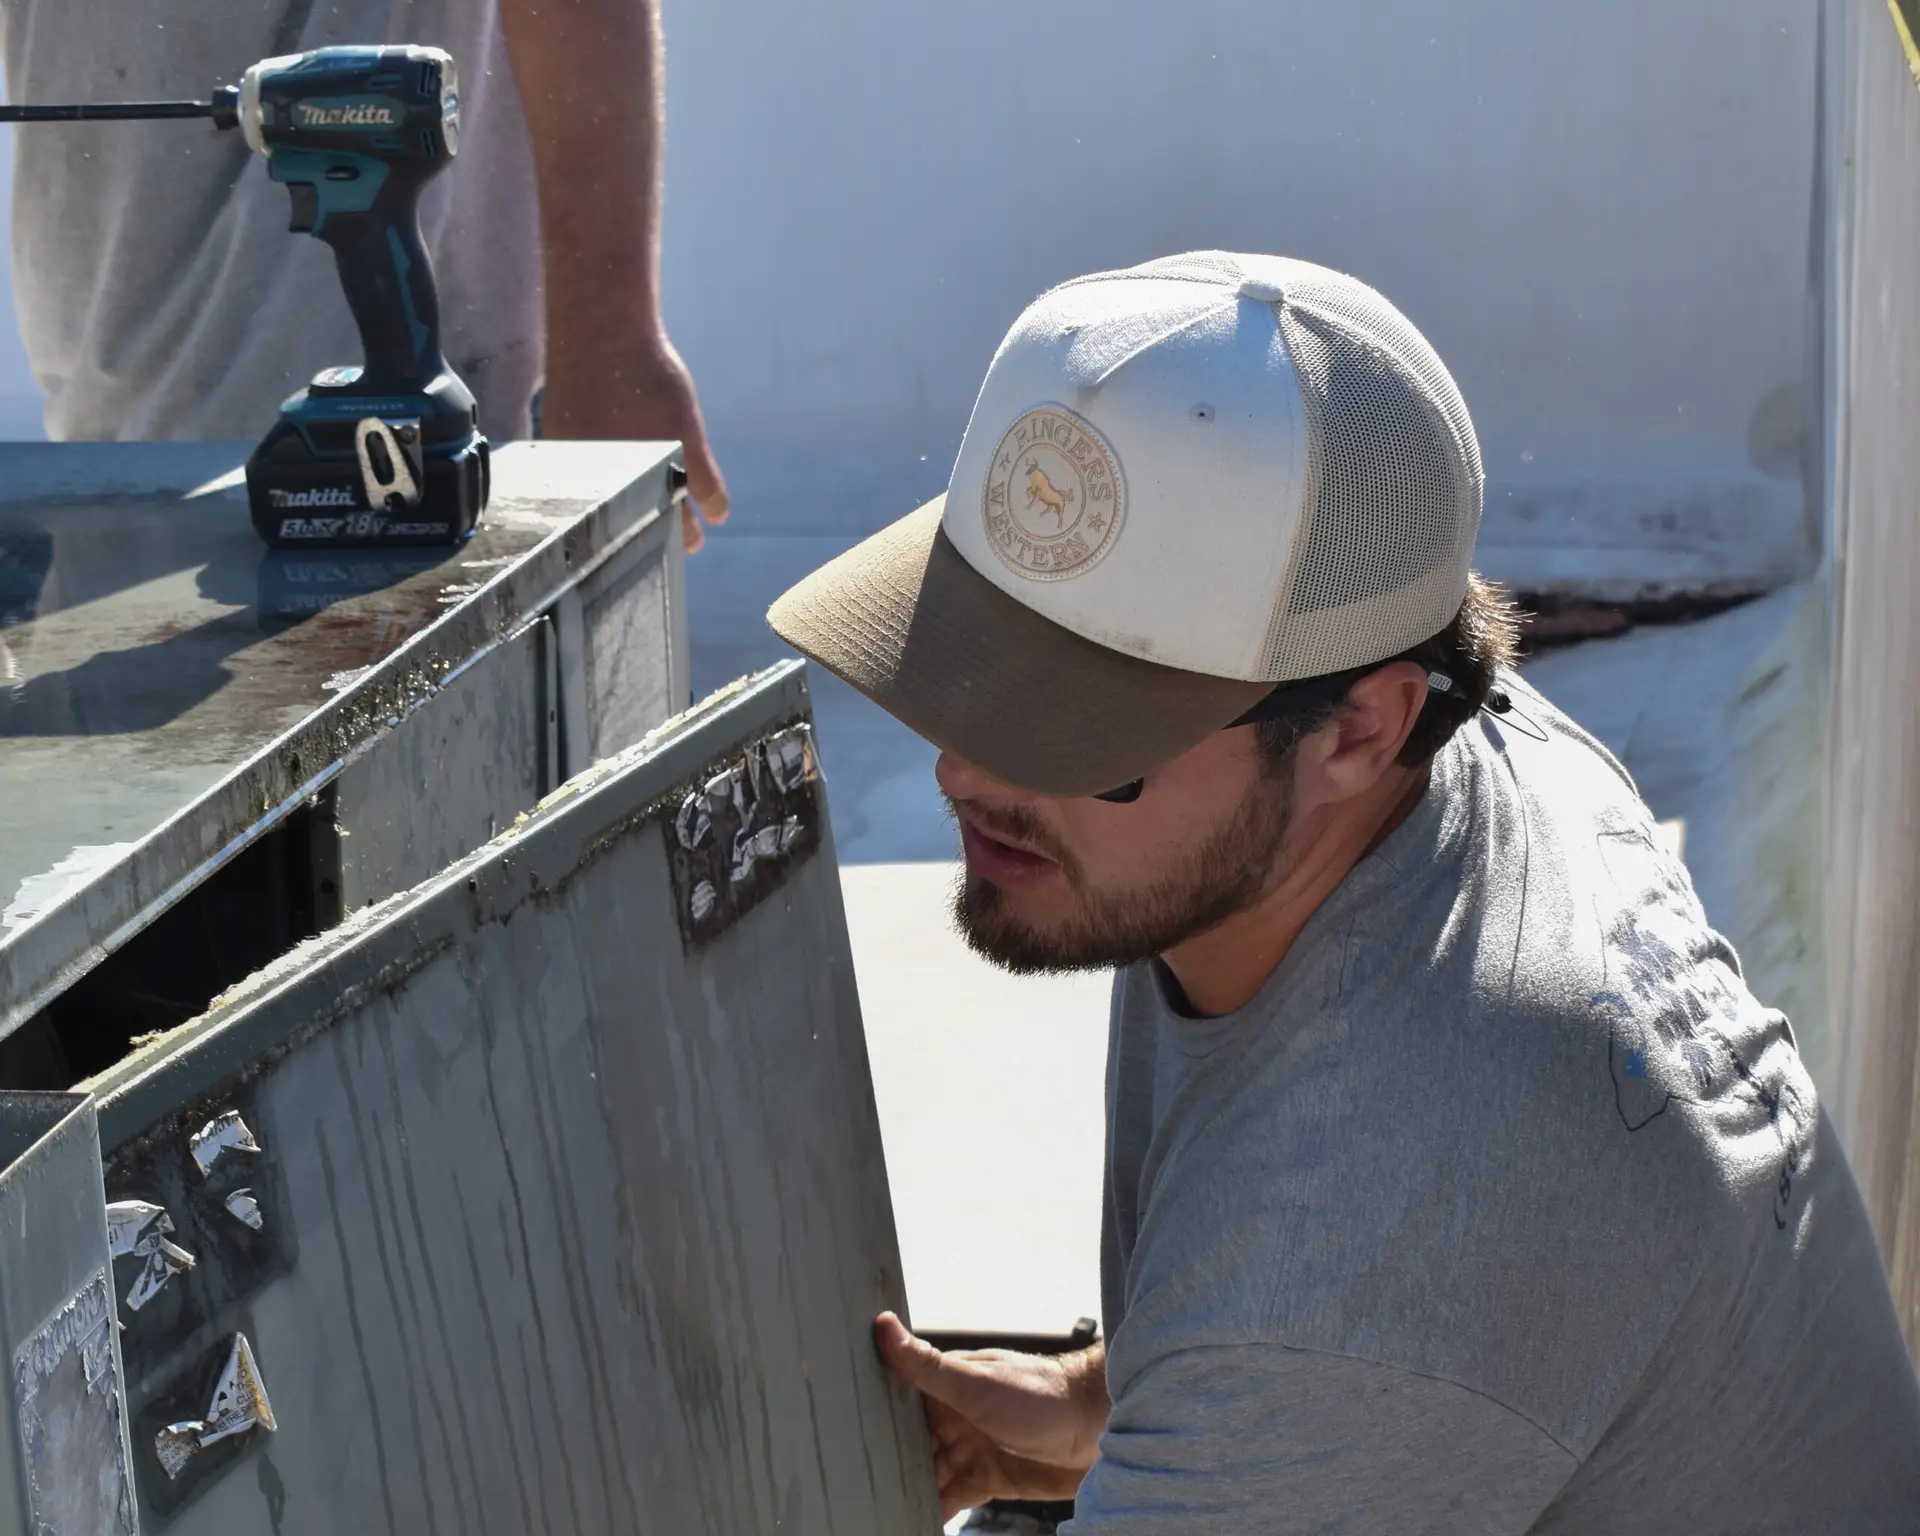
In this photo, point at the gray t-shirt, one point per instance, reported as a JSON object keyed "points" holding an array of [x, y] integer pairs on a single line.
{"points": [[1503, 1207], [160, 294]]}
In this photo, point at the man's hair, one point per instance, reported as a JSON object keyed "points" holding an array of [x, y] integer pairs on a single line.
{"points": [[1482, 638]]}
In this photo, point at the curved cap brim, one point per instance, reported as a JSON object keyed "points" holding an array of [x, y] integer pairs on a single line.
{"points": [[904, 619]]}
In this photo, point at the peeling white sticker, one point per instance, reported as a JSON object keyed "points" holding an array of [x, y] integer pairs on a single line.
{"points": [[743, 857], [223, 1133], [240, 1400], [702, 902], [740, 786], [755, 763], [175, 1445], [693, 825], [127, 1222], [239, 1404], [790, 757], [243, 1207], [164, 1261]]}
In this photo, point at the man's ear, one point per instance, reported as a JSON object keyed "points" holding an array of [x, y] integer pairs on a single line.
{"points": [[1355, 749]]}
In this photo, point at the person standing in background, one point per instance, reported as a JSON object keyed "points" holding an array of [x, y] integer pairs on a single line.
{"points": [[161, 296]]}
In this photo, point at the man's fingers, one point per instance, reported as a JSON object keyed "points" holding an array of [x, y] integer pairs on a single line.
{"points": [[705, 483], [942, 1379], [919, 1365], [964, 1481], [706, 490], [913, 1360]]}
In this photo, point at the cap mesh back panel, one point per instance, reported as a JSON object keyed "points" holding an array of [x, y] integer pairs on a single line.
{"points": [[1396, 493]]}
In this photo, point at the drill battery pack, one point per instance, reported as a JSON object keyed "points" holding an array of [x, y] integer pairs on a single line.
{"points": [[344, 469]]}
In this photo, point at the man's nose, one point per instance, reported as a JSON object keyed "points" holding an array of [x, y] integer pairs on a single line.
{"points": [[961, 780]]}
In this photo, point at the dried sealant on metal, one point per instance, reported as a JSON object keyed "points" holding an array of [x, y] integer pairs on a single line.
{"points": [[225, 1132], [239, 1404]]}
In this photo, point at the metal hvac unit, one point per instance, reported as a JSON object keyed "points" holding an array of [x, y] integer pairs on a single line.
{"points": [[546, 1195]]}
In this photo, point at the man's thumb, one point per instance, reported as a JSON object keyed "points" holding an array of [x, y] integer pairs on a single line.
{"points": [[913, 1360]]}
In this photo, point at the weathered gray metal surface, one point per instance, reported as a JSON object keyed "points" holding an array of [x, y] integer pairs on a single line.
{"points": [[634, 681], [63, 1461], [157, 691], [1871, 196], [451, 776], [573, 1209]]}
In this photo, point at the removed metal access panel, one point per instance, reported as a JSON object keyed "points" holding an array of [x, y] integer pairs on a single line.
{"points": [[64, 1464], [571, 1206]]}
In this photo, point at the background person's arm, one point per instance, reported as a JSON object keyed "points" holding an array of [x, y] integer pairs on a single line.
{"points": [[591, 75]]}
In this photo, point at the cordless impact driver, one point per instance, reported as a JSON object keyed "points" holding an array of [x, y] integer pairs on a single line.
{"points": [[388, 452]]}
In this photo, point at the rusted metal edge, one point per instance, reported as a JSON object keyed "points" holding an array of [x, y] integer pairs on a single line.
{"points": [[379, 950], [44, 957]]}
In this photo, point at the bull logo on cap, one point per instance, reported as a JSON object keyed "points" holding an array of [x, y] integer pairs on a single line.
{"points": [[1043, 490], [1054, 498]]}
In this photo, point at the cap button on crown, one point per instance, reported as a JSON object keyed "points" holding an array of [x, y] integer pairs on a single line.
{"points": [[1261, 291]]}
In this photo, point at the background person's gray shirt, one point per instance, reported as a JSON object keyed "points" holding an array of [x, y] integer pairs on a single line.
{"points": [[160, 293], [1503, 1207]]}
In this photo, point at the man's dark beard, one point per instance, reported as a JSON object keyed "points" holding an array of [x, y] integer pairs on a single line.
{"points": [[1212, 882]]}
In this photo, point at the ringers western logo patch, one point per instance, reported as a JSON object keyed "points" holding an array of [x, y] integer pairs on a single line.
{"points": [[1054, 500]]}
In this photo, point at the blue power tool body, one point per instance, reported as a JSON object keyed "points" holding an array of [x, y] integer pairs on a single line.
{"points": [[388, 452]]}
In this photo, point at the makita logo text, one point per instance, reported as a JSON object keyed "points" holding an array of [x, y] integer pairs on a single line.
{"points": [[325, 496], [352, 115]]}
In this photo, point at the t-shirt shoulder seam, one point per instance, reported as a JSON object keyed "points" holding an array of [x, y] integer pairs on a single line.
{"points": [[1408, 1370]]}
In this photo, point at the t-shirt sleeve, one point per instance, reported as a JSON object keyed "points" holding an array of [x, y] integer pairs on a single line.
{"points": [[1269, 1439]]}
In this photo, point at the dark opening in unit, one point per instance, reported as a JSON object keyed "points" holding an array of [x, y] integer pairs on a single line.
{"points": [[281, 889]]}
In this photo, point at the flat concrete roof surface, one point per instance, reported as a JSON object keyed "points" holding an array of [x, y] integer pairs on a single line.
{"points": [[991, 1094]]}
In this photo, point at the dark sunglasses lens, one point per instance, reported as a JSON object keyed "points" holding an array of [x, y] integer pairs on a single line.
{"points": [[1126, 794]]}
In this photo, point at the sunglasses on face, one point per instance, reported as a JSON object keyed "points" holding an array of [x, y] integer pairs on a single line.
{"points": [[1291, 700]]}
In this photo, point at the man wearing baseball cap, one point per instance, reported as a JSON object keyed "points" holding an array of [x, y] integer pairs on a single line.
{"points": [[1454, 1179]]}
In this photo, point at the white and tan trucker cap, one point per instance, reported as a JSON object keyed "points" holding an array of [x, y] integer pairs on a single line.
{"points": [[1182, 484]]}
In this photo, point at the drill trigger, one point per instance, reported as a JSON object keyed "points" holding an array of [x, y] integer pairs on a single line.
{"points": [[306, 206]]}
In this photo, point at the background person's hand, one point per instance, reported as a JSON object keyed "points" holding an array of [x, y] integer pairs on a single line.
{"points": [[637, 391], [1005, 1425]]}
